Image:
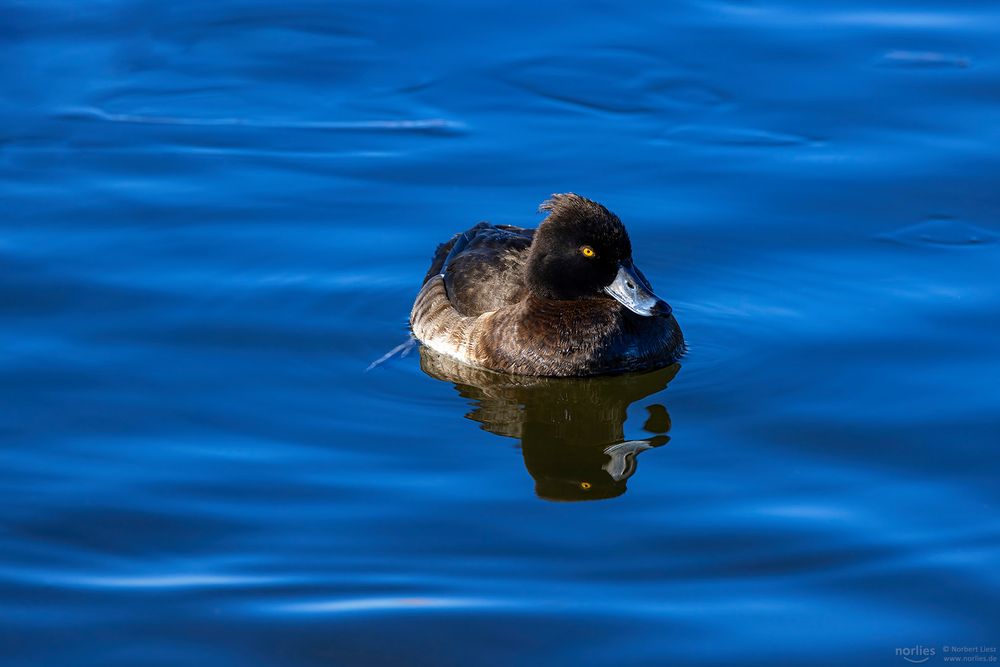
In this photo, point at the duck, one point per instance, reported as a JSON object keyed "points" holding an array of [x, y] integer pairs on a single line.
{"points": [[563, 300]]}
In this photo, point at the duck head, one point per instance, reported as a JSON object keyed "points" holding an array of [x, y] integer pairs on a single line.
{"points": [[582, 250]]}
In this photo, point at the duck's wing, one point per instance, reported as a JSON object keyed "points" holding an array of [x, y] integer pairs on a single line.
{"points": [[483, 267]]}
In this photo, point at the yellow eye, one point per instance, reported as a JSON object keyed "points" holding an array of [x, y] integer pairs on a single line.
{"points": [[585, 485], [588, 251]]}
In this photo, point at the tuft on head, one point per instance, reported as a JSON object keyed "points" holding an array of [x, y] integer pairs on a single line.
{"points": [[564, 203]]}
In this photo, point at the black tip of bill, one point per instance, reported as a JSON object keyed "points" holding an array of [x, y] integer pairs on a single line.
{"points": [[661, 309]]}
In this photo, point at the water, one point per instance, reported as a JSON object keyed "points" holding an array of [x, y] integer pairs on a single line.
{"points": [[216, 215]]}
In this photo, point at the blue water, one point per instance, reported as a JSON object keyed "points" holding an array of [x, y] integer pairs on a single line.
{"points": [[217, 214]]}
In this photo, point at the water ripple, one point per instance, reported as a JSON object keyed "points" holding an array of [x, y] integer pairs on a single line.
{"points": [[383, 604], [925, 60], [404, 125]]}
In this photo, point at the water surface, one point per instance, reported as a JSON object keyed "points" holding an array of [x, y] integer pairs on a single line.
{"points": [[216, 215]]}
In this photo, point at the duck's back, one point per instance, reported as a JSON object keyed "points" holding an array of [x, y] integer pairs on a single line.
{"points": [[485, 267]]}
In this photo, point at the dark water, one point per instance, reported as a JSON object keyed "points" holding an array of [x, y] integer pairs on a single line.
{"points": [[216, 215]]}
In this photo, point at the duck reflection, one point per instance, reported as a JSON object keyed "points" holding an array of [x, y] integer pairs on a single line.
{"points": [[571, 430]]}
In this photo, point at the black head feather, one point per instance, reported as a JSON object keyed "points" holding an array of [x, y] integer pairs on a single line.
{"points": [[557, 266]]}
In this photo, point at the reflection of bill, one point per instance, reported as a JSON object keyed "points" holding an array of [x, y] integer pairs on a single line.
{"points": [[571, 429], [621, 465]]}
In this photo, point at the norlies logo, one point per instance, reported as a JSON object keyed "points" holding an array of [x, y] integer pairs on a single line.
{"points": [[915, 654]]}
